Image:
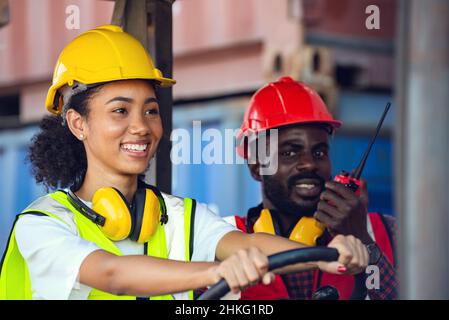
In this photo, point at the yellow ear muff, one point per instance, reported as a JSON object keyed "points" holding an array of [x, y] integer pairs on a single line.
{"points": [[151, 216], [264, 223], [110, 204], [307, 231]]}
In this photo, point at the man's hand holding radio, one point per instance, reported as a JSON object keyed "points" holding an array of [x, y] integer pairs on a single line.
{"points": [[344, 212]]}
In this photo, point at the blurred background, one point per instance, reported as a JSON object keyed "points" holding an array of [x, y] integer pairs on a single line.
{"points": [[224, 50]]}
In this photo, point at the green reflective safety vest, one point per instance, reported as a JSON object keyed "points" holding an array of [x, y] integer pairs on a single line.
{"points": [[15, 281]]}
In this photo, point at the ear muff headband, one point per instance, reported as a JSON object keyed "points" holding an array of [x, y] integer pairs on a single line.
{"points": [[84, 209]]}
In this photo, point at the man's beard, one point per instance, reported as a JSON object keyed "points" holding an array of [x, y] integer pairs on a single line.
{"points": [[281, 198]]}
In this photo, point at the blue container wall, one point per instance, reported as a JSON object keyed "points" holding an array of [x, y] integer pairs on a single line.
{"points": [[346, 152], [228, 189], [18, 188], [363, 110]]}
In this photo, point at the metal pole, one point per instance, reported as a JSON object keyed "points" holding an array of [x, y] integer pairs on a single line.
{"points": [[160, 36], [150, 21], [401, 62], [424, 263]]}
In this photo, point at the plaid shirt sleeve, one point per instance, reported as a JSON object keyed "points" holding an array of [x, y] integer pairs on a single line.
{"points": [[388, 284]]}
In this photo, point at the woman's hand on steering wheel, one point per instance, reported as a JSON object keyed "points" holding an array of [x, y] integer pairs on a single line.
{"points": [[244, 269], [353, 256]]}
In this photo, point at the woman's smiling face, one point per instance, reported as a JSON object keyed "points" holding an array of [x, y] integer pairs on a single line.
{"points": [[123, 127]]}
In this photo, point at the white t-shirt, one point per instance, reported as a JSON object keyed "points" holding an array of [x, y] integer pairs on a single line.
{"points": [[54, 251]]}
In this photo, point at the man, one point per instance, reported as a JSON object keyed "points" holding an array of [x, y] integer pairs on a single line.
{"points": [[302, 186]]}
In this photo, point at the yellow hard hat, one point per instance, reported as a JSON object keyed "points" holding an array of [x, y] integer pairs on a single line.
{"points": [[103, 54]]}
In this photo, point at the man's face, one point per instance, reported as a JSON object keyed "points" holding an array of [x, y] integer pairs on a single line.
{"points": [[303, 167]]}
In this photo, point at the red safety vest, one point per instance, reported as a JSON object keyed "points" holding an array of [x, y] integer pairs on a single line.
{"points": [[343, 283]]}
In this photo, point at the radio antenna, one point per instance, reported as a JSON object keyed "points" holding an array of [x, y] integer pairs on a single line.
{"points": [[358, 172]]}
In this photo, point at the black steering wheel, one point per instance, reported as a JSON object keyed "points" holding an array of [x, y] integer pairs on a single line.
{"points": [[289, 257]]}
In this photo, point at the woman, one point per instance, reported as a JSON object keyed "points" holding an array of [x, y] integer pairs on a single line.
{"points": [[108, 235]]}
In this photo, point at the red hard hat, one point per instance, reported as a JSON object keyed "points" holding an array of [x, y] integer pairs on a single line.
{"points": [[282, 103]]}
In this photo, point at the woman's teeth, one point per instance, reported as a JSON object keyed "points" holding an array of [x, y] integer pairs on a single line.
{"points": [[135, 147]]}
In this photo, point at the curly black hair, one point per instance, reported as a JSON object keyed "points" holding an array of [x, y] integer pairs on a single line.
{"points": [[58, 158]]}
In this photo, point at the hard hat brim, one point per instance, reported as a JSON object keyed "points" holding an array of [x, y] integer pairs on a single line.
{"points": [[334, 124], [56, 108]]}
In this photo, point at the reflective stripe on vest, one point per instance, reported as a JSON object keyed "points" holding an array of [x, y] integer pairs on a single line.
{"points": [[14, 276]]}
